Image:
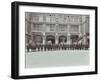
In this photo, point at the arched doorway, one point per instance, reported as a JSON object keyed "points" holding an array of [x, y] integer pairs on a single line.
{"points": [[51, 39], [62, 39], [74, 38], [38, 39]]}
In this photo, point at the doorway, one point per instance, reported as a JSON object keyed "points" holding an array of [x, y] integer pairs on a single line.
{"points": [[50, 38]]}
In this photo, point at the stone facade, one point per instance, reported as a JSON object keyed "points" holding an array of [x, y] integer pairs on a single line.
{"points": [[42, 28]]}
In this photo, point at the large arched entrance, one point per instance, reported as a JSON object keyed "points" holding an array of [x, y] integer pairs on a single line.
{"points": [[74, 38], [38, 39], [50, 39], [62, 39]]}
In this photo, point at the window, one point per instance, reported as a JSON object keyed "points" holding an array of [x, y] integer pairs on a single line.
{"points": [[38, 39], [41, 18], [35, 18], [62, 27], [37, 27], [74, 28], [50, 27]]}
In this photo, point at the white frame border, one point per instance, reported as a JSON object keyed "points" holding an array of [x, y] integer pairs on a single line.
{"points": [[53, 70]]}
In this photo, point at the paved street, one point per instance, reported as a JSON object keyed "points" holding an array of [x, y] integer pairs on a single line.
{"points": [[57, 58]]}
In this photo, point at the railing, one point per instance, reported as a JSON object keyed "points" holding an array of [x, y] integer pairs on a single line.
{"points": [[56, 47]]}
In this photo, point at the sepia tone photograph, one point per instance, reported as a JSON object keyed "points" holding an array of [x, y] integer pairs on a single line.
{"points": [[56, 39]]}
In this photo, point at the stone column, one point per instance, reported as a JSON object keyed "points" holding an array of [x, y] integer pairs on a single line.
{"points": [[56, 38], [68, 35], [44, 38], [68, 28], [79, 28], [84, 38], [68, 39], [84, 23]]}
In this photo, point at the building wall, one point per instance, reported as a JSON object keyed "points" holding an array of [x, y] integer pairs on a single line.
{"points": [[55, 25]]}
